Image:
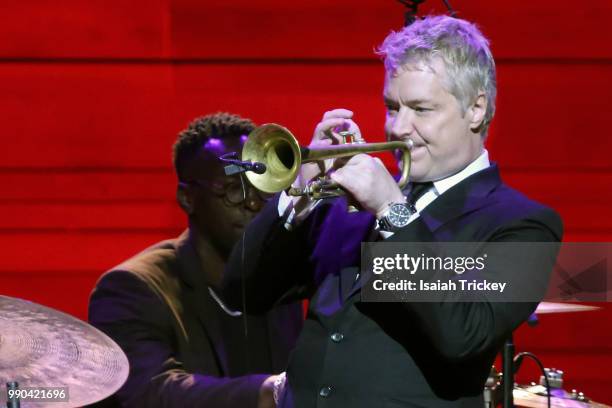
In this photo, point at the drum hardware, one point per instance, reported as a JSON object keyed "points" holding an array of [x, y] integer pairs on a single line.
{"points": [[500, 387], [492, 392], [555, 380], [534, 395], [11, 400]]}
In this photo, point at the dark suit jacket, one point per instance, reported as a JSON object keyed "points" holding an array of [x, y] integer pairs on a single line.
{"points": [[408, 354], [183, 349]]}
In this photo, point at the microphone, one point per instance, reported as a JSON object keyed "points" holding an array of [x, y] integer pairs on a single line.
{"points": [[255, 167], [236, 166]]}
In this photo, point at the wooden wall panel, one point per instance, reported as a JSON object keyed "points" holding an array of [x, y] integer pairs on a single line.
{"points": [[569, 333], [294, 95], [138, 215], [56, 186], [279, 30], [51, 208], [127, 116], [540, 30], [41, 29], [343, 29], [94, 237], [75, 185], [62, 252], [66, 292], [269, 29], [555, 187], [553, 116], [85, 115], [127, 216]]}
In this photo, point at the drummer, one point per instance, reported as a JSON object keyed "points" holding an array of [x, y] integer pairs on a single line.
{"points": [[186, 347]]}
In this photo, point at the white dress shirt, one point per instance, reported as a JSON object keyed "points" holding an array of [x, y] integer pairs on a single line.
{"points": [[441, 186]]}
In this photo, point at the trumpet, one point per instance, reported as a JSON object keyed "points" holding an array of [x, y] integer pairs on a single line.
{"points": [[277, 148]]}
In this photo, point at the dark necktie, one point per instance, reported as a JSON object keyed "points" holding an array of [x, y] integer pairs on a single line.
{"points": [[417, 190]]}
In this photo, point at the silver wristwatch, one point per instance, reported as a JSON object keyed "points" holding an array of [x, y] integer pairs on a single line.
{"points": [[396, 217]]}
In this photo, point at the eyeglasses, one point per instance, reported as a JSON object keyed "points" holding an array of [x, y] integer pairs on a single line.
{"points": [[233, 192]]}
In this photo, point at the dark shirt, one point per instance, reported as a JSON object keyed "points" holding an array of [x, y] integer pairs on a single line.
{"points": [[183, 348]]}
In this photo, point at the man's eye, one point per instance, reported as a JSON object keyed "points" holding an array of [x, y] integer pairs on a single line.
{"points": [[421, 109], [391, 110]]}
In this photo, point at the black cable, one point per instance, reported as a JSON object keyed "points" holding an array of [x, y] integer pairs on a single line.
{"points": [[228, 157], [232, 158], [412, 9], [245, 325], [451, 11], [518, 359]]}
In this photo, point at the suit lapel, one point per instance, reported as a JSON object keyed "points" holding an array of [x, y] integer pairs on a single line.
{"points": [[198, 297], [463, 198]]}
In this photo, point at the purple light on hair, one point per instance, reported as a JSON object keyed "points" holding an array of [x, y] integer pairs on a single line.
{"points": [[243, 138], [213, 143]]}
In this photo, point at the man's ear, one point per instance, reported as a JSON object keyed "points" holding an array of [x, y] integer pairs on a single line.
{"points": [[185, 198], [477, 112]]}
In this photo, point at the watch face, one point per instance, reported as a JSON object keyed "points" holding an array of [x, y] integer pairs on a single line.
{"points": [[399, 215]]}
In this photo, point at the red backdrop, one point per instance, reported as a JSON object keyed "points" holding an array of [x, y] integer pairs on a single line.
{"points": [[93, 94]]}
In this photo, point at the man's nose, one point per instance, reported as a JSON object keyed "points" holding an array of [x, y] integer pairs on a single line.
{"points": [[403, 124]]}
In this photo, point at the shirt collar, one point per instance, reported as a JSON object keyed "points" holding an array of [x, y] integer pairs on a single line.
{"points": [[481, 163]]}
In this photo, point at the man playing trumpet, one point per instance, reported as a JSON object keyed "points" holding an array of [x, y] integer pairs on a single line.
{"points": [[439, 93]]}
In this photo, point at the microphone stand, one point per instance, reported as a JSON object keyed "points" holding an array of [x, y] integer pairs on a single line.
{"points": [[508, 370]]}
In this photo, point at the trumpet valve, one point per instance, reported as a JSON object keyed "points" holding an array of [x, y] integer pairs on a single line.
{"points": [[351, 137]]}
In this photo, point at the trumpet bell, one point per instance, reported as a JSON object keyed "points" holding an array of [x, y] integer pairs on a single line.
{"points": [[275, 146]]}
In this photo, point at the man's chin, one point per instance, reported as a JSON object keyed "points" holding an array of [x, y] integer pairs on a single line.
{"points": [[418, 176]]}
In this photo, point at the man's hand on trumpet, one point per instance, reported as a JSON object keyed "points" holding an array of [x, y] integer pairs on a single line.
{"points": [[366, 178], [363, 176], [327, 133]]}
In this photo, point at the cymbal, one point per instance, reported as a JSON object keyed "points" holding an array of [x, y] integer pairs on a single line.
{"points": [[42, 347], [551, 307]]}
